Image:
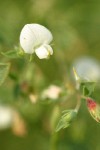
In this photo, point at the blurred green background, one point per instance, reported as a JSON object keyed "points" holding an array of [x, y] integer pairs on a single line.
{"points": [[75, 26]]}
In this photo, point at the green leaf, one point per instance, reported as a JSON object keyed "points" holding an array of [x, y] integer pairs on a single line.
{"points": [[87, 88], [17, 52], [10, 54], [67, 117], [4, 70]]}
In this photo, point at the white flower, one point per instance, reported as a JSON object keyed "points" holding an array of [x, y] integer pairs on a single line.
{"points": [[44, 51], [51, 92], [87, 69], [6, 117], [36, 38]]}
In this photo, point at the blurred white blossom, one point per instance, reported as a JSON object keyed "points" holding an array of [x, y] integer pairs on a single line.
{"points": [[36, 38], [52, 92], [10, 118], [6, 117], [87, 69]]}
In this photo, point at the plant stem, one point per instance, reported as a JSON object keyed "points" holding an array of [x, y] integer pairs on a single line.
{"points": [[78, 102], [84, 97], [54, 139]]}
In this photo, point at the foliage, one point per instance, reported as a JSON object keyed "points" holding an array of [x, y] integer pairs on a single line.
{"points": [[25, 78]]}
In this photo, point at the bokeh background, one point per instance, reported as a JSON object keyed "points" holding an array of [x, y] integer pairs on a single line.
{"points": [[75, 26]]}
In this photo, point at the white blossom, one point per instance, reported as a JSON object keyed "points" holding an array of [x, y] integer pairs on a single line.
{"points": [[87, 69], [6, 117], [44, 51], [52, 92], [36, 38]]}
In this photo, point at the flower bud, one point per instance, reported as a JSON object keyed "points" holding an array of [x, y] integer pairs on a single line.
{"points": [[36, 38], [66, 119], [94, 109]]}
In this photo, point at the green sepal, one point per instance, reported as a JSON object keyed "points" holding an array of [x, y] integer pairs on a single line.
{"points": [[4, 70], [87, 88], [17, 52], [67, 117]]}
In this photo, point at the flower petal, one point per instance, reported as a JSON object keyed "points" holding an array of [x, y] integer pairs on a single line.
{"points": [[88, 69], [44, 51], [33, 36]]}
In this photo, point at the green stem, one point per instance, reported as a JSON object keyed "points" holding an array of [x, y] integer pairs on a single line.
{"points": [[78, 103], [54, 141], [31, 58], [84, 97]]}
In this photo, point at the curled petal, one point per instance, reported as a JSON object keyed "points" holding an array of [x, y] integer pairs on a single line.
{"points": [[44, 51]]}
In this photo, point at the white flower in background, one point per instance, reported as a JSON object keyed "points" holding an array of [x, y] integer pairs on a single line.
{"points": [[6, 117], [87, 69], [51, 92], [36, 38]]}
